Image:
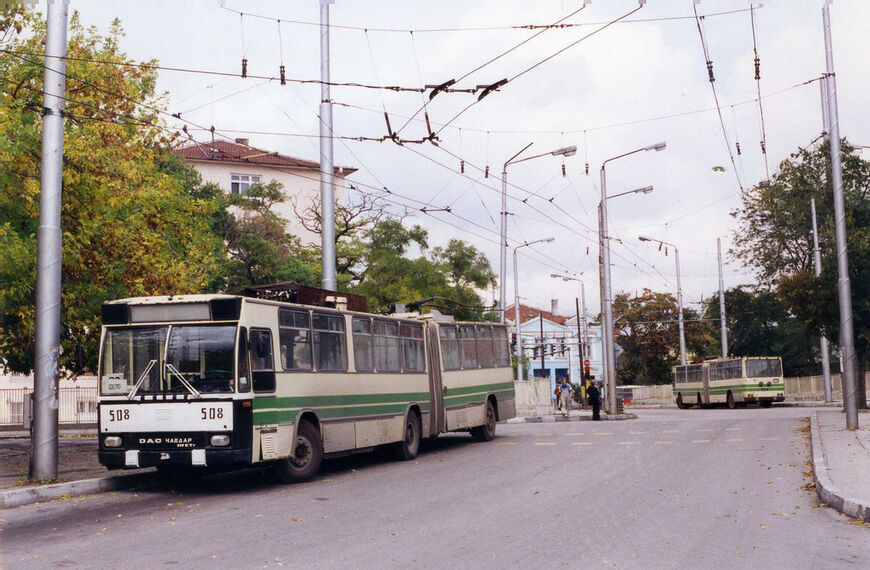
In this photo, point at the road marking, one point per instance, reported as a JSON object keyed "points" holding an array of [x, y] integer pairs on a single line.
{"points": [[582, 443], [603, 433], [706, 430], [546, 443], [769, 438], [663, 442], [626, 443], [671, 431], [638, 432], [733, 429], [735, 440], [701, 440], [573, 434]]}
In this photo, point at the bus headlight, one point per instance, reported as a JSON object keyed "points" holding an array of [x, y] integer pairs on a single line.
{"points": [[220, 440], [112, 441], [768, 382], [760, 384]]}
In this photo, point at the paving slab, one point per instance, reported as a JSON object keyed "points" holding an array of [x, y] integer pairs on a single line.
{"points": [[841, 462]]}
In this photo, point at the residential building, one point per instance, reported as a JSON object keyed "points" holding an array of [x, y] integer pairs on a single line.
{"points": [[234, 166]]}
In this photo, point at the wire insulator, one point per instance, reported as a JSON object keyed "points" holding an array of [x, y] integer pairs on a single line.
{"points": [[244, 67], [763, 148], [486, 172], [563, 171], [283, 77], [587, 169], [738, 148], [710, 71], [757, 69], [462, 167]]}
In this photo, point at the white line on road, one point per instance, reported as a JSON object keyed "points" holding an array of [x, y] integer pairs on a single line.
{"points": [[582, 443], [701, 440], [663, 442], [638, 432], [769, 438], [735, 440], [626, 443], [603, 433], [546, 443], [671, 431], [733, 429]]}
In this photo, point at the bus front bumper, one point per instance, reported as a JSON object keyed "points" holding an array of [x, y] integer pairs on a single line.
{"points": [[136, 458], [764, 397]]}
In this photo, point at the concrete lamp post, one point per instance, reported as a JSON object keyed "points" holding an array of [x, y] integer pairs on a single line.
{"points": [[502, 266], [606, 290], [518, 352]]}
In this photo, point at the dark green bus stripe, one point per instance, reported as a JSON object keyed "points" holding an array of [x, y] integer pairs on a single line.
{"points": [[272, 416], [343, 400]]}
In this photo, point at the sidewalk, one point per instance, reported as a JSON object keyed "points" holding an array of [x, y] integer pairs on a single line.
{"points": [[841, 462]]}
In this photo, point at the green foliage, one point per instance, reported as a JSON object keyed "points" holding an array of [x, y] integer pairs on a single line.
{"points": [[649, 334], [760, 325], [774, 237], [135, 220]]}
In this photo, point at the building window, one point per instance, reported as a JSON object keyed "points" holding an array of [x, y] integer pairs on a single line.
{"points": [[239, 183]]}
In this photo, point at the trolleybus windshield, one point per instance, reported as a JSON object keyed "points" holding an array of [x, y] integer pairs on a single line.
{"points": [[763, 367], [201, 354]]}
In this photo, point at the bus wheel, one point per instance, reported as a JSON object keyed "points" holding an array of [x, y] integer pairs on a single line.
{"points": [[680, 404], [764, 403], [700, 403], [307, 456], [407, 449], [730, 399], [486, 432]]}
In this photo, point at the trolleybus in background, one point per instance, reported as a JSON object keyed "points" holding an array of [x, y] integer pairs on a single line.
{"points": [[226, 381], [731, 381]]}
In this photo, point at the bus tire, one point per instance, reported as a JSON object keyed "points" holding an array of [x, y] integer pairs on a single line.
{"points": [[486, 432], [307, 456], [409, 447], [700, 402], [730, 400], [765, 403], [680, 404]]}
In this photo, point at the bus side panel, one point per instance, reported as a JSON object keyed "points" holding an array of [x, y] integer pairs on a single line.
{"points": [[465, 393]]}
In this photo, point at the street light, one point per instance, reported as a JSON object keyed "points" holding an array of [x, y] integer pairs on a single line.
{"points": [[679, 294], [502, 266], [606, 300], [582, 337], [518, 346]]}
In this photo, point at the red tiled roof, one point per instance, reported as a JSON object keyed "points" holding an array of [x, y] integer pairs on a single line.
{"points": [[528, 313], [225, 151]]}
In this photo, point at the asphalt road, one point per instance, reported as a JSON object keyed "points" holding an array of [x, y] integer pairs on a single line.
{"points": [[673, 489]]}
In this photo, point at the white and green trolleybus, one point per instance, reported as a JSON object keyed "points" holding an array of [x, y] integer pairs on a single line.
{"points": [[224, 381], [731, 381]]}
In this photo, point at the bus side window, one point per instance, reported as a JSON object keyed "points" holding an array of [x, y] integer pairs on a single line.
{"points": [[262, 369], [244, 377]]}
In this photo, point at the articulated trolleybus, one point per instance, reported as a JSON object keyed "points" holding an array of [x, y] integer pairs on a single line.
{"points": [[224, 381], [731, 381]]}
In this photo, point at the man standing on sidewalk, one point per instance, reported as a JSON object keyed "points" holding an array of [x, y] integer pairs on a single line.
{"points": [[594, 395], [566, 391]]}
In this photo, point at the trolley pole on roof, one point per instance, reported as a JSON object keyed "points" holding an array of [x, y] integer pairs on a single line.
{"points": [[43, 458], [723, 324], [327, 170], [843, 285]]}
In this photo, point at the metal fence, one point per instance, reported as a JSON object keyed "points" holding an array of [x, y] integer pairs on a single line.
{"points": [[77, 406]]}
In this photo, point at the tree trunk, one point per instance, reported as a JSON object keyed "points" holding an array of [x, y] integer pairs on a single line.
{"points": [[860, 380]]}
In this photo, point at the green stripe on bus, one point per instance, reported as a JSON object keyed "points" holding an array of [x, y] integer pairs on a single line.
{"points": [[747, 388], [342, 400], [501, 386], [275, 415]]}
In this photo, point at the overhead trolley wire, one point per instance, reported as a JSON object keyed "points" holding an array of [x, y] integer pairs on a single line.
{"points": [[758, 90]]}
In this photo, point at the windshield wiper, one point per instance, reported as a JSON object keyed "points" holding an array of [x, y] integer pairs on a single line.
{"points": [[141, 379], [184, 382]]}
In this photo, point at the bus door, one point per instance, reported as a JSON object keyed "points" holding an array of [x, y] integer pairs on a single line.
{"points": [[436, 396], [705, 391]]}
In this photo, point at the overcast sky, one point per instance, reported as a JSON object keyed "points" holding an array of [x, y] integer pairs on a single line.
{"points": [[599, 95]]}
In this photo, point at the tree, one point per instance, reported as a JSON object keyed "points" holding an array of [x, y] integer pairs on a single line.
{"points": [[649, 335], [135, 220], [774, 237], [760, 325]]}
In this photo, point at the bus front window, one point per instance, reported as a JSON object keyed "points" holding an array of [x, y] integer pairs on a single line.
{"points": [[204, 355], [763, 368], [127, 353]]}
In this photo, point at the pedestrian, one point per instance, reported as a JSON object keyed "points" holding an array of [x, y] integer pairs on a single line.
{"points": [[558, 399], [565, 393], [594, 396]]}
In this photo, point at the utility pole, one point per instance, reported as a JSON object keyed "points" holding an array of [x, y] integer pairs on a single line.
{"points": [[844, 286], [817, 259], [605, 365], [327, 169], [723, 325], [49, 243], [543, 346], [579, 341]]}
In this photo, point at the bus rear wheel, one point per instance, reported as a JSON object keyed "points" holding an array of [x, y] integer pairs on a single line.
{"points": [[765, 403], [681, 404], [730, 400], [486, 432], [307, 456], [409, 447]]}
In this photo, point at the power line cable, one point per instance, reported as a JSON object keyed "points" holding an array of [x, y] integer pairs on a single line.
{"points": [[758, 90]]}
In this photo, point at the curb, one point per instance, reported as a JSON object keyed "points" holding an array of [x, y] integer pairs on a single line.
{"points": [[550, 419], [825, 488], [38, 494]]}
